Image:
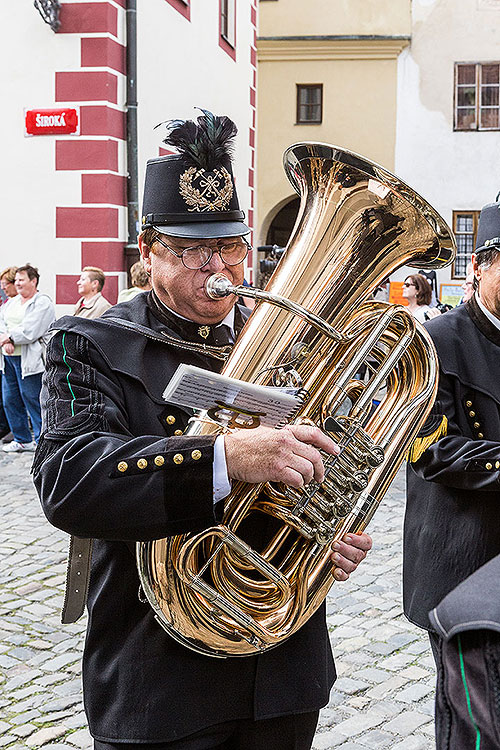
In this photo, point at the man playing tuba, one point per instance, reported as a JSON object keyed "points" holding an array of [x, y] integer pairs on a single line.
{"points": [[113, 466]]}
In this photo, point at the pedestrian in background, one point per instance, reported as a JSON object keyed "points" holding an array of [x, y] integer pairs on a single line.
{"points": [[140, 282], [8, 289], [24, 321], [417, 291], [91, 304]]}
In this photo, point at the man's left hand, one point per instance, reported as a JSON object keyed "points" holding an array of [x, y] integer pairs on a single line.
{"points": [[348, 553]]}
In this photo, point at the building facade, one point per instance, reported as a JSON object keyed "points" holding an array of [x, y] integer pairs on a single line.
{"points": [[413, 86], [448, 116], [69, 191], [327, 71]]}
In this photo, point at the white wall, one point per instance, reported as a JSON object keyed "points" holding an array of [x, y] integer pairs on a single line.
{"points": [[452, 170], [181, 66], [30, 188]]}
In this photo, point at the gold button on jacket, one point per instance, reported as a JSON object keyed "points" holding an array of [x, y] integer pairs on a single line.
{"points": [[122, 466], [159, 460], [178, 458], [142, 463]]}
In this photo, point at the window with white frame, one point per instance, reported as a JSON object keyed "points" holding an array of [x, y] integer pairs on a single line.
{"points": [[465, 229], [477, 96]]}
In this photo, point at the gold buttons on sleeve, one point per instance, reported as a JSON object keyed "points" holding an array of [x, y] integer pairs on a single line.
{"points": [[468, 404], [178, 432], [122, 466], [497, 464], [476, 425], [480, 435], [159, 460], [142, 463], [489, 466], [178, 458], [170, 419], [472, 414], [196, 455]]}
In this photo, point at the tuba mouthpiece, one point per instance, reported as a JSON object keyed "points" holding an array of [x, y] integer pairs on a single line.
{"points": [[218, 286]]}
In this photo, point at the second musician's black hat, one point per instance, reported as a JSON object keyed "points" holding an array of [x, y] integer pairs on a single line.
{"points": [[488, 230], [192, 193]]}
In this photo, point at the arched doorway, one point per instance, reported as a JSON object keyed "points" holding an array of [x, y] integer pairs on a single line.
{"points": [[281, 226]]}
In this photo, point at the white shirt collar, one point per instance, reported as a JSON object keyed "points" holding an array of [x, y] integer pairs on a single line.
{"points": [[492, 318]]}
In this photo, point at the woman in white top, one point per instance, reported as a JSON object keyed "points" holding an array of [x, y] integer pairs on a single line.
{"points": [[418, 292], [24, 321]]}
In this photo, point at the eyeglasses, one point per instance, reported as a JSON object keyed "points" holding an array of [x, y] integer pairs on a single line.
{"points": [[406, 283], [197, 256]]}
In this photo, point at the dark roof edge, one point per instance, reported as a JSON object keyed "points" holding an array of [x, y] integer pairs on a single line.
{"points": [[335, 37]]}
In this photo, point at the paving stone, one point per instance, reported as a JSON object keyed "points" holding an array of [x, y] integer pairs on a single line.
{"points": [[406, 723], [413, 743], [347, 685], [80, 739], [377, 739], [414, 693], [359, 724], [327, 740], [23, 731]]}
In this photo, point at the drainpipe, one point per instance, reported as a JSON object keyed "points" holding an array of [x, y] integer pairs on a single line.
{"points": [[131, 248]]}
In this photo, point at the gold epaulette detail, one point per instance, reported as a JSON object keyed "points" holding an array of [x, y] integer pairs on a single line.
{"points": [[420, 445]]}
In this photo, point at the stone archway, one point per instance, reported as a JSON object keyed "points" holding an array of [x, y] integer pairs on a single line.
{"points": [[281, 225]]}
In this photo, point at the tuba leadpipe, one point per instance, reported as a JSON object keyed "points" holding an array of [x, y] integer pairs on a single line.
{"points": [[247, 585]]}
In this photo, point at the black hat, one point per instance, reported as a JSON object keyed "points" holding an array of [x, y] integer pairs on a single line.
{"points": [[192, 193], [488, 230]]}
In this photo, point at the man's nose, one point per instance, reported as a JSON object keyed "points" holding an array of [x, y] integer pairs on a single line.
{"points": [[215, 263]]}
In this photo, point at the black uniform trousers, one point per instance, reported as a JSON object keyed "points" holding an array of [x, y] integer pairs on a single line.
{"points": [[294, 732], [467, 709]]}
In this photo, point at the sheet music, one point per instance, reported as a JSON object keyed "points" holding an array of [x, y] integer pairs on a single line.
{"points": [[196, 388]]}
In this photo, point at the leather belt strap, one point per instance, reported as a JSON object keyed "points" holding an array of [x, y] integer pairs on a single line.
{"points": [[77, 579]]}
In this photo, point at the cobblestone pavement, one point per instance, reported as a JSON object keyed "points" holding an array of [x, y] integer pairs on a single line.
{"points": [[382, 699]]}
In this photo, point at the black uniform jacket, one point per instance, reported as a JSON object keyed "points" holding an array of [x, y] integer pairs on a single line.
{"points": [[453, 507], [103, 407], [473, 605]]}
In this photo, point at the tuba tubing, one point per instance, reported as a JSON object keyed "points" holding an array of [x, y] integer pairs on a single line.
{"points": [[247, 585]]}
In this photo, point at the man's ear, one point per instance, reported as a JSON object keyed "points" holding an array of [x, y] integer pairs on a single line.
{"points": [[145, 251], [475, 266]]}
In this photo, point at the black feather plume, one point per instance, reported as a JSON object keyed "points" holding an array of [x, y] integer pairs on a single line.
{"points": [[204, 143]]}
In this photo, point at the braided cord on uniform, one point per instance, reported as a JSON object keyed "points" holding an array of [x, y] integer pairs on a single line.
{"points": [[68, 374], [467, 695]]}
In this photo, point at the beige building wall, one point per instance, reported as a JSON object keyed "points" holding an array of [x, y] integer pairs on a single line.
{"points": [[349, 46]]}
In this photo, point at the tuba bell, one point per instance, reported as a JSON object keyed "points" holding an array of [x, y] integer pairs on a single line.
{"points": [[247, 585]]}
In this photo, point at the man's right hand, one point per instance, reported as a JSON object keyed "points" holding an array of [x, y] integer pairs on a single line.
{"points": [[289, 455]]}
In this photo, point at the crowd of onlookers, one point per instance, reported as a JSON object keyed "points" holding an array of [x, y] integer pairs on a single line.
{"points": [[26, 316]]}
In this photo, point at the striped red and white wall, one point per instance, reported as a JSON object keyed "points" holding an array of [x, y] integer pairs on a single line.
{"points": [[98, 154], [67, 193]]}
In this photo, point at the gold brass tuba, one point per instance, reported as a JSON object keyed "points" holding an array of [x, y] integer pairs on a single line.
{"points": [[314, 329]]}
